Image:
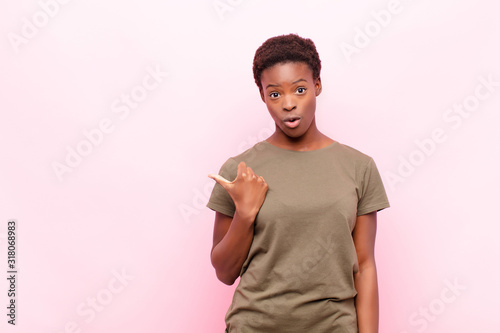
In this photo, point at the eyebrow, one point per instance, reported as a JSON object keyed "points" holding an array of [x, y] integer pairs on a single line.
{"points": [[277, 85]]}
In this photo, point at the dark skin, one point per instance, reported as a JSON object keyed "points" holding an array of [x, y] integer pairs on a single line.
{"points": [[289, 92]]}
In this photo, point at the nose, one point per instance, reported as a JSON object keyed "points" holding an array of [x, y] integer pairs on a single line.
{"points": [[288, 103]]}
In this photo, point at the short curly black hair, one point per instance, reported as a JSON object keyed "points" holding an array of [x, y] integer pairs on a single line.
{"points": [[285, 48]]}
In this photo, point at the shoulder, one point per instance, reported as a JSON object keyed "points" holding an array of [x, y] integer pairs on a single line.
{"points": [[356, 163], [352, 154]]}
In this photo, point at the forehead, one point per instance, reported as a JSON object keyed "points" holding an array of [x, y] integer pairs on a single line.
{"points": [[286, 72]]}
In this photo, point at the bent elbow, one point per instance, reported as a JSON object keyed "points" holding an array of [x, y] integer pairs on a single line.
{"points": [[223, 272], [226, 278]]}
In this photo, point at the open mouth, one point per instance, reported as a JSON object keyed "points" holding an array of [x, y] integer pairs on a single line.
{"points": [[292, 121]]}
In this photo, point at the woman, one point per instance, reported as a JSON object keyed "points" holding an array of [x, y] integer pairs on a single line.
{"points": [[298, 222]]}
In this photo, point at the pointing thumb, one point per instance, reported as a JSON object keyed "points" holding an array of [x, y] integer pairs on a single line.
{"points": [[220, 180]]}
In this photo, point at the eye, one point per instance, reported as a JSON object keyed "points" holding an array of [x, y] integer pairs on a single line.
{"points": [[301, 90], [274, 94]]}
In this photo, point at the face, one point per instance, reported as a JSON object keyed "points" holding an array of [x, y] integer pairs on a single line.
{"points": [[289, 91]]}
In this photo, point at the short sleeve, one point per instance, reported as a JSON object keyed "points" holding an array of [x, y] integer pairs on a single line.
{"points": [[220, 200], [372, 195]]}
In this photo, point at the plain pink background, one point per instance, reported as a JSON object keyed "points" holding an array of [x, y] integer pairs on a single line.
{"points": [[135, 202]]}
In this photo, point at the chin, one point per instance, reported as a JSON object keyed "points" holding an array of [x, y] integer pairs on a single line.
{"points": [[294, 135]]}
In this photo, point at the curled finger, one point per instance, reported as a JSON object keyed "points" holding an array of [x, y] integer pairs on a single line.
{"points": [[250, 171]]}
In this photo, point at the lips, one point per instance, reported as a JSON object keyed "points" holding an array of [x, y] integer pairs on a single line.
{"points": [[292, 121]]}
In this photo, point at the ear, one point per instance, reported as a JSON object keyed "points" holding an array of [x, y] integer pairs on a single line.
{"points": [[262, 95], [318, 86]]}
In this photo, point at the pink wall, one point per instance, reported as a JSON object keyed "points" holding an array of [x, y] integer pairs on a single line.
{"points": [[113, 113]]}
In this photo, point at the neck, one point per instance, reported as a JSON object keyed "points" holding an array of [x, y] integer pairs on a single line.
{"points": [[312, 139]]}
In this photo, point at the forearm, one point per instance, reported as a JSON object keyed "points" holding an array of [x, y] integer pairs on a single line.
{"points": [[367, 307], [231, 252]]}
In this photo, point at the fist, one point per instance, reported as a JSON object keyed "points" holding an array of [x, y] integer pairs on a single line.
{"points": [[248, 190]]}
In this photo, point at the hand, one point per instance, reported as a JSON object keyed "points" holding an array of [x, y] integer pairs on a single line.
{"points": [[248, 190]]}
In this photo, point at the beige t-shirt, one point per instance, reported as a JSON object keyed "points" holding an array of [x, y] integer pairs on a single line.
{"points": [[298, 276]]}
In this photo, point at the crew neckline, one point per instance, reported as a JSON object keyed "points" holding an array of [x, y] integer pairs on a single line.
{"points": [[334, 143]]}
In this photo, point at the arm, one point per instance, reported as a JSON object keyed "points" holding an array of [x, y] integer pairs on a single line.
{"points": [[233, 235], [231, 243], [365, 279]]}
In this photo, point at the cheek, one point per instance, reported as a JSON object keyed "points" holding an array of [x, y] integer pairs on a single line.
{"points": [[273, 111], [310, 107], [312, 103]]}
